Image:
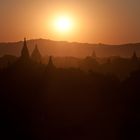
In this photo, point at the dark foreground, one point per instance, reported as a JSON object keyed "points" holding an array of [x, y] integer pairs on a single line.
{"points": [[41, 102]]}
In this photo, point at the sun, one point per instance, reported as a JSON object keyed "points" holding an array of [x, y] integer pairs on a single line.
{"points": [[63, 24]]}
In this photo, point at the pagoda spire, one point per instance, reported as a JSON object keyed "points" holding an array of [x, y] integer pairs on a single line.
{"points": [[36, 56], [134, 56], [50, 65], [93, 54], [24, 51]]}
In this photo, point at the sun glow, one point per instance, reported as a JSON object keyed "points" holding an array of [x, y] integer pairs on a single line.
{"points": [[63, 24]]}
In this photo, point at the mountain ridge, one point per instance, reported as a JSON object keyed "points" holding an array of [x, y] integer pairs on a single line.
{"points": [[65, 48]]}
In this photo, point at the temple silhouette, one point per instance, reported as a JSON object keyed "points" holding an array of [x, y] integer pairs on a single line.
{"points": [[35, 55], [25, 52], [134, 57], [98, 100]]}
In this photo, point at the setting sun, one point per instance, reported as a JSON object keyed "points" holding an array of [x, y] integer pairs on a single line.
{"points": [[63, 24]]}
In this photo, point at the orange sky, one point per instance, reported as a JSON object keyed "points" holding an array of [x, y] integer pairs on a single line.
{"points": [[95, 21]]}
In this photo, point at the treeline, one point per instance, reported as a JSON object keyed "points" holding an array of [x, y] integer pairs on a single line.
{"points": [[42, 102]]}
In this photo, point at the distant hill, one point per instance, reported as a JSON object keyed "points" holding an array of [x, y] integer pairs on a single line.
{"points": [[63, 48]]}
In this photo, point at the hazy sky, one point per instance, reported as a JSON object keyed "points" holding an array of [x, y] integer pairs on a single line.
{"points": [[97, 21]]}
